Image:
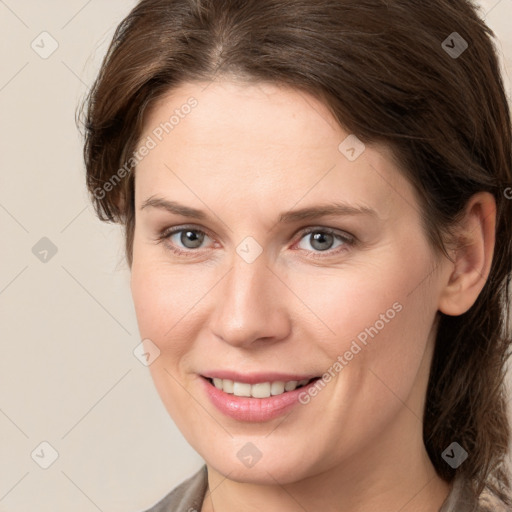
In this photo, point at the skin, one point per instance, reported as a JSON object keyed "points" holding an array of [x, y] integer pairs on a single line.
{"points": [[245, 154]]}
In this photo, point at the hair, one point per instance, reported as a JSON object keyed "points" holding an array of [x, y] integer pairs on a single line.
{"points": [[384, 71]]}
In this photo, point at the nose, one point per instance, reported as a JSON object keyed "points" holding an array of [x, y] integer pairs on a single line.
{"points": [[251, 305]]}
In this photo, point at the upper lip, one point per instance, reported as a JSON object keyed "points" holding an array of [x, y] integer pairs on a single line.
{"points": [[254, 378]]}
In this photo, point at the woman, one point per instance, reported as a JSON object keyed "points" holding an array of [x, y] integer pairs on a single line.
{"points": [[319, 235]]}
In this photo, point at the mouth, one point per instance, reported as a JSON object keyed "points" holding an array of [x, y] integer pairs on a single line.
{"points": [[258, 389], [256, 397]]}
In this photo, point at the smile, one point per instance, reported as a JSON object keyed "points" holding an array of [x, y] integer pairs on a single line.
{"points": [[256, 401], [259, 389]]}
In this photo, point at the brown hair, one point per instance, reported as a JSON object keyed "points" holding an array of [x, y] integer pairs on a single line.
{"points": [[388, 73]]}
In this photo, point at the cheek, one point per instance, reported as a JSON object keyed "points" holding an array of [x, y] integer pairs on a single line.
{"points": [[159, 299], [164, 308], [147, 299], [376, 316], [168, 300], [348, 302]]}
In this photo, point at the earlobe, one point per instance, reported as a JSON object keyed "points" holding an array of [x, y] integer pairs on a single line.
{"points": [[468, 272]]}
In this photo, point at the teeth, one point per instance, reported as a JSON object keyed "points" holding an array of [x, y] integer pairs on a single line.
{"points": [[290, 386], [241, 389], [259, 390], [276, 388], [226, 385]]}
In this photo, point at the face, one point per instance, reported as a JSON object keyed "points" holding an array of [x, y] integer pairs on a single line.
{"points": [[271, 248]]}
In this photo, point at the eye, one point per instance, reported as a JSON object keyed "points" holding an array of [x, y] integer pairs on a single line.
{"points": [[324, 239], [183, 239], [190, 238]]}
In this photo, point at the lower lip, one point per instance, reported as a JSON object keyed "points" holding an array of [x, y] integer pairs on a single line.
{"points": [[253, 409]]}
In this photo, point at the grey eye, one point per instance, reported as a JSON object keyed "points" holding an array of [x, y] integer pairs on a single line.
{"points": [[190, 238], [321, 240]]}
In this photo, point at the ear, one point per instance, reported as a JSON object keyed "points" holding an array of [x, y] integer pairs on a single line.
{"points": [[472, 256]]}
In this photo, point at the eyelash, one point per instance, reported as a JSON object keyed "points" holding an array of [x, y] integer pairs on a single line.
{"points": [[348, 240]]}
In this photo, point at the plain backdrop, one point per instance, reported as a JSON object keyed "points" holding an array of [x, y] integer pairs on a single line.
{"points": [[68, 375]]}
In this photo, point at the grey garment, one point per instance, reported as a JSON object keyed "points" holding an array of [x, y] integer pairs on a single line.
{"points": [[189, 496], [461, 499]]}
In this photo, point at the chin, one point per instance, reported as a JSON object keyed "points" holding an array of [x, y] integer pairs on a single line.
{"points": [[273, 466]]}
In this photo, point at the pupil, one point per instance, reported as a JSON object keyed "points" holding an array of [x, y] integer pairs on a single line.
{"points": [[322, 238]]}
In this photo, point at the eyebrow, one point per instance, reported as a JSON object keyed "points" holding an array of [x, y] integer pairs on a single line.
{"points": [[313, 212]]}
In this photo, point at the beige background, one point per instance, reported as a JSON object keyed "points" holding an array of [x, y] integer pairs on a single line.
{"points": [[68, 375]]}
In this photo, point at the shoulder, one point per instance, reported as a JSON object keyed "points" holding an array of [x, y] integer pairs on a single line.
{"points": [[186, 497], [462, 499], [488, 502]]}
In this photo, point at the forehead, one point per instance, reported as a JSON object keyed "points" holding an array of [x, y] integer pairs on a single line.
{"points": [[252, 114], [259, 140]]}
